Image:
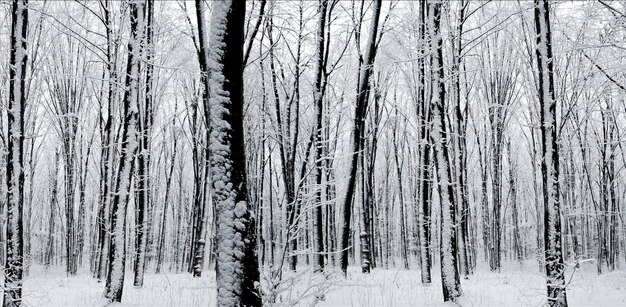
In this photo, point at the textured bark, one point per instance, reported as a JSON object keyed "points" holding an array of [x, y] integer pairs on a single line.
{"points": [[107, 135], [143, 159], [318, 97], [202, 171], [14, 265], [555, 267], [237, 272], [449, 271], [129, 147], [425, 185]]}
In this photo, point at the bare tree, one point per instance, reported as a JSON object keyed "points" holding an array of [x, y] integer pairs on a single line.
{"points": [[129, 148], [365, 71]]}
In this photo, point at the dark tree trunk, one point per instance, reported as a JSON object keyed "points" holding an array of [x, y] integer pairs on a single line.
{"points": [[129, 146], [143, 159], [360, 112], [425, 153], [448, 253], [318, 96], [14, 264], [237, 272], [555, 267]]}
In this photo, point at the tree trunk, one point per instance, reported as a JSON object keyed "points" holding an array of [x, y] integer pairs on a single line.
{"points": [[318, 97], [424, 155], [555, 268], [14, 264], [449, 270], [237, 272], [365, 71], [129, 146], [143, 159]]}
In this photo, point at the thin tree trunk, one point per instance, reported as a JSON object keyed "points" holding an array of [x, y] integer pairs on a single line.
{"points": [[365, 72]]}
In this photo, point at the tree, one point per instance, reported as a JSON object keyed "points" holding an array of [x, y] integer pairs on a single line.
{"points": [[425, 117], [129, 148], [146, 116], [14, 264], [237, 272], [448, 252], [555, 269], [319, 109], [365, 71]]}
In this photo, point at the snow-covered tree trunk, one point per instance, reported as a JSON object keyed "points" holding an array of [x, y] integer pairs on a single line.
{"points": [[425, 112], [360, 112], [460, 151], [199, 210], [14, 265], [555, 268], [448, 253], [129, 148], [319, 146], [143, 159], [237, 272], [108, 147]]}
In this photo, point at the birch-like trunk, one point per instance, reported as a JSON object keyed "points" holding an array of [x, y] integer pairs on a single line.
{"points": [[129, 147], [448, 253], [14, 264], [143, 201]]}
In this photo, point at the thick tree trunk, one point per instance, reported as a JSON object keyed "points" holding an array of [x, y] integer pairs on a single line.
{"points": [[318, 97], [448, 253], [129, 147], [143, 159], [424, 155], [108, 152], [14, 264], [555, 267], [237, 272]]}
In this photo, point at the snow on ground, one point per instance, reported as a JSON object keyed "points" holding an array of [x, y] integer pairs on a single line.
{"points": [[516, 286]]}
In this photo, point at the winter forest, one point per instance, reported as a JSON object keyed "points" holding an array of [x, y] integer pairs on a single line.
{"points": [[312, 153]]}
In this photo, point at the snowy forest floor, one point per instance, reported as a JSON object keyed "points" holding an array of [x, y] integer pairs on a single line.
{"points": [[517, 285]]}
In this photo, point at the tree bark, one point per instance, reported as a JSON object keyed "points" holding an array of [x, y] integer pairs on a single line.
{"points": [[448, 253], [237, 272], [318, 97], [555, 267], [14, 265], [143, 159], [129, 147]]}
